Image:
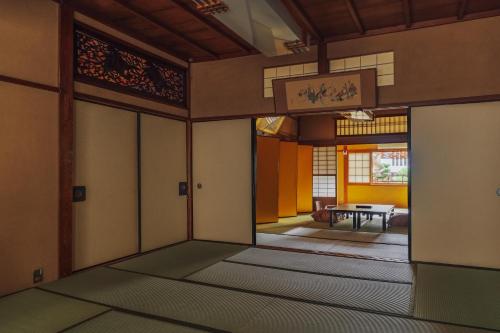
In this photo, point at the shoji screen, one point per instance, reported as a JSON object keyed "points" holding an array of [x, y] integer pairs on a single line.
{"points": [[304, 179], [268, 153], [222, 180], [105, 225], [287, 202], [163, 166], [455, 174]]}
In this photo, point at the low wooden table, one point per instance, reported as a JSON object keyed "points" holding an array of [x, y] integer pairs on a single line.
{"points": [[357, 209]]}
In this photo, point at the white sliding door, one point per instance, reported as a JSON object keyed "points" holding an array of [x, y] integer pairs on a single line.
{"points": [[222, 180], [105, 224], [163, 166]]}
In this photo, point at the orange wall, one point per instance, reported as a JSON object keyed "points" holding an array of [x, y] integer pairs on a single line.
{"points": [[287, 198], [382, 194], [304, 179], [268, 153]]}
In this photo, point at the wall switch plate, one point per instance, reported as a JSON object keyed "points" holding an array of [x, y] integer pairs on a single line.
{"points": [[79, 193], [38, 275], [498, 192], [183, 188]]}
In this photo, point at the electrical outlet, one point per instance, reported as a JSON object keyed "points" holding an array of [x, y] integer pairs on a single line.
{"points": [[498, 192], [38, 275]]}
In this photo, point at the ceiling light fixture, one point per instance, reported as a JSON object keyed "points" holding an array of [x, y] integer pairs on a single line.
{"points": [[359, 115], [211, 7], [297, 46]]}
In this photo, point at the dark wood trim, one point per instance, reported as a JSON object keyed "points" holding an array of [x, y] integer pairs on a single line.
{"points": [[302, 19], [105, 20], [407, 12], [125, 106], [462, 8], [66, 122], [253, 152], [166, 28], [26, 83], [415, 25], [215, 25], [323, 62], [371, 139], [355, 16], [139, 182], [189, 171], [232, 117], [121, 44], [410, 163], [445, 101]]}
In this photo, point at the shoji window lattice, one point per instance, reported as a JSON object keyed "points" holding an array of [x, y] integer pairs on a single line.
{"points": [[380, 125]]}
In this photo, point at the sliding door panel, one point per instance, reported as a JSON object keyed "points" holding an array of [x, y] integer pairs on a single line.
{"points": [[287, 202], [304, 178], [163, 167], [222, 181], [268, 153], [105, 224]]}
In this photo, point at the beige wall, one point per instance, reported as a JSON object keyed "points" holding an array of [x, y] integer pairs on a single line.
{"points": [[222, 208], [30, 40], [109, 94], [105, 161], [28, 143], [163, 166], [28, 185], [448, 61], [455, 173]]}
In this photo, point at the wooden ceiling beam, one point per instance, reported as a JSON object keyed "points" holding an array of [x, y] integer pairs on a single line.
{"points": [[166, 28], [355, 16], [302, 19], [462, 7], [216, 26], [407, 12], [104, 20]]}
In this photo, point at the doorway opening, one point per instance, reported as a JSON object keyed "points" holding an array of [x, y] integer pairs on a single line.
{"points": [[337, 186]]}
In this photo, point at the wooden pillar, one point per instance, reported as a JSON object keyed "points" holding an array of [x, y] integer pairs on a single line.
{"points": [[323, 63], [65, 138]]}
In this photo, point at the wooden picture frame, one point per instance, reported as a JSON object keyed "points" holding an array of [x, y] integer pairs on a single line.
{"points": [[328, 92]]}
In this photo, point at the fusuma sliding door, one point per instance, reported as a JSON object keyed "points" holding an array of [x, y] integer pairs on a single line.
{"points": [[222, 180], [105, 224], [163, 166]]}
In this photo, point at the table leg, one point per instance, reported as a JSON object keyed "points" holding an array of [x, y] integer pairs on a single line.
{"points": [[331, 218], [384, 222], [359, 221], [354, 222]]}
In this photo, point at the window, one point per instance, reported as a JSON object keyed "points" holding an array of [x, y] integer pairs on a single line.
{"points": [[282, 72], [359, 168], [383, 62], [380, 125], [390, 167], [324, 172]]}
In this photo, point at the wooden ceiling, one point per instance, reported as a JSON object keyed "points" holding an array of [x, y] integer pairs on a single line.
{"points": [[175, 26]]}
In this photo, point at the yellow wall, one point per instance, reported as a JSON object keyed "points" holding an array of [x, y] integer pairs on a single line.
{"points": [[304, 178], [382, 194]]}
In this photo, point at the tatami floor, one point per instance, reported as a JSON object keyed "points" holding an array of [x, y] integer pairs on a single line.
{"points": [[200, 286], [303, 233]]}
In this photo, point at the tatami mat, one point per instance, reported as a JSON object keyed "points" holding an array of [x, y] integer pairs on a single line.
{"points": [[358, 268], [363, 294], [458, 295], [201, 305], [382, 251], [285, 316], [357, 236], [118, 322], [181, 260], [39, 311]]}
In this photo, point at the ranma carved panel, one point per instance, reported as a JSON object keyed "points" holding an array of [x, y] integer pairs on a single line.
{"points": [[109, 64]]}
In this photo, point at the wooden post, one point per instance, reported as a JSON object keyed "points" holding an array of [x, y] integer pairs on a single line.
{"points": [[65, 139], [323, 64]]}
